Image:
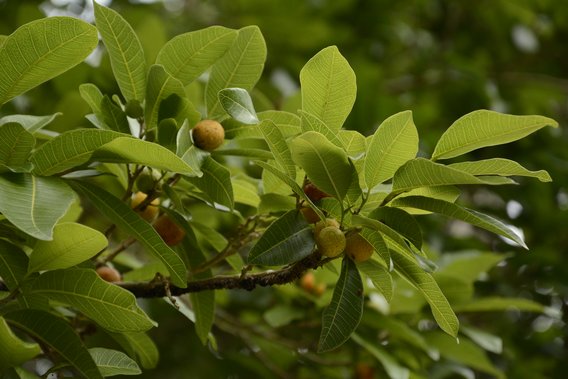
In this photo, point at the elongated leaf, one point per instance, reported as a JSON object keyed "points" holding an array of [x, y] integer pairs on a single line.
{"points": [[391, 366], [240, 67], [246, 192], [447, 193], [311, 122], [14, 351], [133, 150], [422, 172], [34, 204], [122, 215], [113, 116], [354, 143], [425, 283], [499, 304], [69, 150], [390, 235], [486, 128], [13, 264], [58, 335], [139, 346], [93, 97], [277, 144], [401, 222], [161, 86], [328, 87], [125, 51], [108, 305], [31, 123], [72, 244], [379, 275], [342, 316], [325, 164], [468, 215], [188, 55], [41, 50], [215, 183], [487, 341], [288, 239], [394, 143], [288, 123], [113, 362], [376, 239], [17, 144], [238, 104], [470, 265], [501, 167]]}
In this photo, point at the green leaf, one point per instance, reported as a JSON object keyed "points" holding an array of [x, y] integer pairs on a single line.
{"points": [[325, 164], [139, 346], [238, 104], [282, 315], [188, 55], [41, 50], [215, 183], [447, 193], [487, 341], [288, 239], [161, 86], [498, 304], [58, 335], [468, 215], [425, 283], [125, 52], [422, 172], [312, 123], [34, 204], [113, 362], [354, 143], [69, 150], [501, 167], [124, 217], [391, 366], [110, 306], [394, 143], [14, 351], [72, 244], [31, 123], [16, 146], [341, 317], [379, 275], [469, 265], [93, 97], [402, 222], [389, 234], [277, 144], [133, 150], [13, 264], [245, 193], [113, 116], [486, 128], [240, 67], [328, 87], [288, 123]]}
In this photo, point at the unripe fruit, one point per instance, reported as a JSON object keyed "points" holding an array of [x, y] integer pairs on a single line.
{"points": [[109, 274], [323, 223], [134, 109], [310, 215], [208, 135], [358, 248], [146, 181], [150, 212], [170, 232], [313, 192], [308, 282], [331, 241], [319, 289]]}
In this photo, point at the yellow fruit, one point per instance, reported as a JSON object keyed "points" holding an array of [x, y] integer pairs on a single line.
{"points": [[149, 212], [109, 274], [331, 241], [170, 232], [327, 222], [208, 135], [310, 215], [358, 248]]}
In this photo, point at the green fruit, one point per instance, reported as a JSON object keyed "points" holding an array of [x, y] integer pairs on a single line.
{"points": [[331, 241], [134, 109], [323, 223], [146, 181]]}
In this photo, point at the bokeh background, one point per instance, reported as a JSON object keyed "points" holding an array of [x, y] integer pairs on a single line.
{"points": [[439, 58]]}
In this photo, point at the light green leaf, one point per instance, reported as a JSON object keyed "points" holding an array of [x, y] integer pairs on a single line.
{"points": [[391, 366], [13, 264], [93, 97], [394, 143], [402, 222], [124, 217], [110, 306], [34, 204], [139, 346], [325, 164], [113, 116], [288, 239], [469, 265], [376, 239], [245, 193], [133, 150], [238, 104], [210, 235], [188, 55], [58, 335], [31, 123], [246, 152], [281, 315], [14, 351], [312, 123], [486, 128], [240, 67], [72, 244], [468, 215], [354, 143], [288, 123], [379, 275], [342, 316], [69, 150], [499, 304], [160, 87], [422, 172], [487, 341], [425, 283], [328, 87], [215, 183], [277, 144], [125, 52], [41, 50], [447, 193], [16, 146], [501, 167], [113, 362]]}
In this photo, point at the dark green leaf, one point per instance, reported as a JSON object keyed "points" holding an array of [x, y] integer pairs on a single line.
{"points": [[400, 221], [113, 362], [113, 116], [215, 183]]}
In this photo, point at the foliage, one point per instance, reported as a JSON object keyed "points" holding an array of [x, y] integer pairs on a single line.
{"points": [[241, 228]]}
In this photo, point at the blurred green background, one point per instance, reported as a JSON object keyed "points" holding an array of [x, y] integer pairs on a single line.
{"points": [[439, 58]]}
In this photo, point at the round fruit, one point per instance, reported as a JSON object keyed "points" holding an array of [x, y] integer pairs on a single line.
{"points": [[331, 241], [308, 282], [358, 248], [208, 135], [310, 215], [149, 212], [109, 274], [146, 181], [313, 192], [170, 232], [327, 222], [134, 109], [319, 289]]}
